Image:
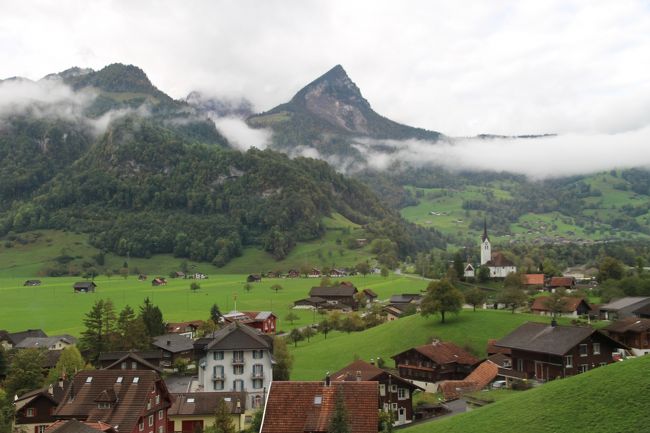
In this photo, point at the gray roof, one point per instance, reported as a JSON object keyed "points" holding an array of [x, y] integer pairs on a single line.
{"points": [[45, 342], [627, 302], [405, 298], [237, 337], [263, 315], [174, 343], [325, 292], [205, 403], [17, 337], [134, 357], [114, 356], [311, 300], [543, 338]]}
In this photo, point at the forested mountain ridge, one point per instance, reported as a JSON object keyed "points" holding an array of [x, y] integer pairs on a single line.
{"points": [[330, 114], [160, 179]]}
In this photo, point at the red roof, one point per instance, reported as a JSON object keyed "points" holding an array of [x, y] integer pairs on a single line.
{"points": [[492, 349], [444, 352], [570, 304], [299, 407], [361, 370], [562, 282], [478, 379], [534, 279]]}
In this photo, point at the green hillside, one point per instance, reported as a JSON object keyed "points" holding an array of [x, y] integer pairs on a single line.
{"points": [[608, 399], [469, 329]]}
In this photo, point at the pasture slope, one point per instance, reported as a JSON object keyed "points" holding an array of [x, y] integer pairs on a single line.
{"points": [[611, 399]]}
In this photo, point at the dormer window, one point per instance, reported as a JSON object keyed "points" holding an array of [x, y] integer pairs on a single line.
{"points": [[89, 379], [136, 379], [119, 379], [318, 399], [103, 405]]}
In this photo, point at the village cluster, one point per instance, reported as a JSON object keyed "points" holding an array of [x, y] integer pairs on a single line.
{"points": [[139, 392]]}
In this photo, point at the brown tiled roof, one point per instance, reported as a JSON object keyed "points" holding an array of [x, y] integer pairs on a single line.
{"points": [[570, 303], [74, 426], [237, 337], [533, 279], [364, 371], [499, 260], [500, 359], [477, 380], [134, 357], [292, 407], [80, 399], [205, 403], [562, 282], [629, 324], [444, 352], [370, 293]]}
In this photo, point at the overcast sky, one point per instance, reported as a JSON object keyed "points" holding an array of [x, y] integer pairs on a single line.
{"points": [[458, 67]]}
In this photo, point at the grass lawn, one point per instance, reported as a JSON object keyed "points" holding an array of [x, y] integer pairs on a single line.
{"points": [[56, 309], [613, 398], [468, 329]]}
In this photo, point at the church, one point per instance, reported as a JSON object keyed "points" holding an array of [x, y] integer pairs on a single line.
{"points": [[498, 264]]}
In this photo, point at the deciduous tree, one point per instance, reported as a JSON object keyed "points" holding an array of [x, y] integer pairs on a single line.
{"points": [[25, 371], [283, 359], [441, 298], [475, 297]]}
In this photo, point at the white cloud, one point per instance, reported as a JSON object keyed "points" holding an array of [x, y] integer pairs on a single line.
{"points": [[240, 135]]}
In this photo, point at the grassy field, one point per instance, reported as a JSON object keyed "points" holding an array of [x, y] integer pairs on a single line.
{"points": [[56, 309], [469, 329], [608, 399]]}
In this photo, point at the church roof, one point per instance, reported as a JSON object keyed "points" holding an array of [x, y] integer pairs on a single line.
{"points": [[499, 260]]}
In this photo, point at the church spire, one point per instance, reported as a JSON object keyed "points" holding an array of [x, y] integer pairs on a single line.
{"points": [[485, 235]]}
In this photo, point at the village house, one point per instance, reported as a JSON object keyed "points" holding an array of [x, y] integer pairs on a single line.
{"points": [[624, 307], [573, 307], [313, 302], [264, 321], [469, 271], [159, 281], [174, 347], [236, 358], [132, 401], [55, 342], [337, 297], [336, 273], [532, 281], [34, 410], [568, 283], [194, 412], [9, 340], [370, 296], [642, 312], [308, 407], [186, 329], [396, 311], [178, 274], [131, 360], [84, 287], [478, 379], [293, 273], [395, 393], [254, 278], [546, 352], [430, 363], [633, 332], [314, 273]]}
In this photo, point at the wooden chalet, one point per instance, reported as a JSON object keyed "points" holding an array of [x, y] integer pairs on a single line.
{"points": [[314, 273], [312, 302], [174, 346], [573, 306], [568, 283], [395, 393], [129, 400], [301, 407], [159, 281], [370, 295], [431, 363], [34, 410], [254, 278], [293, 273], [478, 379], [546, 352], [633, 332], [265, 321], [84, 287], [337, 297]]}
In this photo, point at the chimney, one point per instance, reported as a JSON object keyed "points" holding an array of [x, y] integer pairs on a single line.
{"points": [[328, 380], [553, 322], [169, 342]]}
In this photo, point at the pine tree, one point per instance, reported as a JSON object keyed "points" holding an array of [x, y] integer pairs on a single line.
{"points": [[339, 422], [3, 362], [133, 334], [93, 338], [215, 313], [152, 318]]}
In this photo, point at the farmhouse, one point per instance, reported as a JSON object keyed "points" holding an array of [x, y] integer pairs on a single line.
{"points": [[395, 393], [533, 280], [425, 365], [632, 332], [370, 295], [56, 342], [314, 273], [301, 407], [568, 283], [293, 273], [340, 296], [130, 399], [622, 308], [173, 346], [84, 287], [159, 281], [194, 412], [264, 321], [34, 409], [572, 306], [236, 358], [546, 352], [395, 311]]}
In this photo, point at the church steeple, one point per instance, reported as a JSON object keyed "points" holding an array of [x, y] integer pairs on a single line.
{"points": [[485, 235], [486, 248]]}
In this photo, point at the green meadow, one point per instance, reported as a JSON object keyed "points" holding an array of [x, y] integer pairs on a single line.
{"points": [[55, 308]]}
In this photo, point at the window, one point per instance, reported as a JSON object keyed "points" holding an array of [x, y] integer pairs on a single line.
{"points": [[402, 393], [257, 401], [89, 379], [568, 361], [583, 350], [238, 356], [238, 385], [520, 364], [217, 372], [148, 404], [237, 369], [258, 354], [41, 429], [161, 429], [257, 383], [141, 425], [258, 371], [393, 406], [119, 379], [218, 385], [134, 365], [30, 412], [123, 365], [160, 414], [157, 398], [393, 388], [150, 420], [136, 379], [596, 348], [385, 407], [190, 400], [584, 368], [103, 405], [218, 355], [382, 389], [318, 399]]}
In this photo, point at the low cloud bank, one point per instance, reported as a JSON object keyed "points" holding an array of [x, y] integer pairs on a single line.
{"points": [[240, 135]]}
